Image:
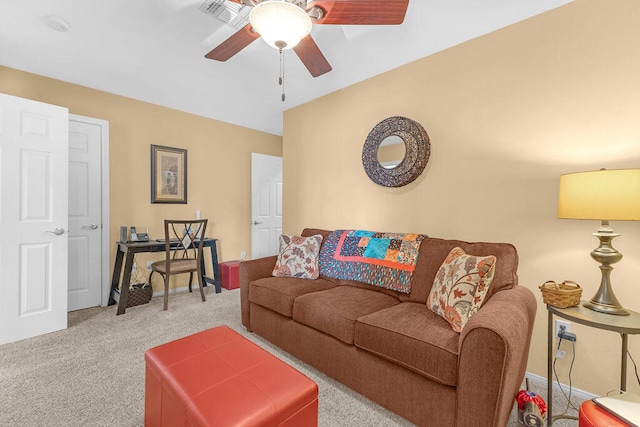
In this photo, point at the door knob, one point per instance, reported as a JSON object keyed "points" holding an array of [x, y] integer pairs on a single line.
{"points": [[91, 226], [58, 231], [257, 222]]}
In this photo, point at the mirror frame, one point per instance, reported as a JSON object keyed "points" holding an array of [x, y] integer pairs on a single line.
{"points": [[417, 151]]}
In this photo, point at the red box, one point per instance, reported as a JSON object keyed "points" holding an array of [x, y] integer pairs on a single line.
{"points": [[230, 274]]}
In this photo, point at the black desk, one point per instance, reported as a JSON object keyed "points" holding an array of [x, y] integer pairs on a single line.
{"points": [[132, 248]]}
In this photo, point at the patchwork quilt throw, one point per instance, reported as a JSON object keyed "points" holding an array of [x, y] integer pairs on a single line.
{"points": [[380, 259]]}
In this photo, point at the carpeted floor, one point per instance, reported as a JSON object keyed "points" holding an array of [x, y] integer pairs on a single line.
{"points": [[92, 374]]}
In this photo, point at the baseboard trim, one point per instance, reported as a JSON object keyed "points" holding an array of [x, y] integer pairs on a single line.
{"points": [[575, 392]]}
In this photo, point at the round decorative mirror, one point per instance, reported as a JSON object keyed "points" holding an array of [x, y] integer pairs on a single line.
{"points": [[396, 152]]}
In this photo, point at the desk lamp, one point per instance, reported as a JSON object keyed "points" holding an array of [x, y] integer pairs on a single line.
{"points": [[602, 195]]}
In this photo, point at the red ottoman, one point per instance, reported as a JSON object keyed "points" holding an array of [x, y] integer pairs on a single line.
{"points": [[230, 274], [591, 415], [219, 378]]}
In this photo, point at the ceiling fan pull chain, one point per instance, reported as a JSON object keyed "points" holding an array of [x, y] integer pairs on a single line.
{"points": [[281, 79]]}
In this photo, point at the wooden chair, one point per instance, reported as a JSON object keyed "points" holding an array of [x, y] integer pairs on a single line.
{"points": [[183, 253]]}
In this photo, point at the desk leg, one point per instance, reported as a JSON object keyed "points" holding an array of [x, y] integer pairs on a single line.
{"points": [[623, 365], [550, 369], [124, 287], [216, 269], [115, 278], [204, 272]]}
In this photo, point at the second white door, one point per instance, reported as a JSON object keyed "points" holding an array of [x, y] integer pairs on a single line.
{"points": [[85, 212], [266, 204]]}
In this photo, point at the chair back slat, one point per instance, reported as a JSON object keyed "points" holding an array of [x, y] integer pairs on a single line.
{"points": [[184, 239]]}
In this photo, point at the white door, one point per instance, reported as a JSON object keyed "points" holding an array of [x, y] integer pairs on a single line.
{"points": [[266, 204], [85, 212], [33, 218]]}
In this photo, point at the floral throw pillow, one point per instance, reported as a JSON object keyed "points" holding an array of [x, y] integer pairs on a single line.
{"points": [[460, 286], [298, 257]]}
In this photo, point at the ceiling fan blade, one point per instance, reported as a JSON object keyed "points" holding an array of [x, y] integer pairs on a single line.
{"points": [[233, 44], [361, 12], [310, 55]]}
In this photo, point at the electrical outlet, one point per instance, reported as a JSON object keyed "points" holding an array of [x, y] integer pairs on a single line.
{"points": [[133, 269], [149, 265], [243, 255], [567, 326]]}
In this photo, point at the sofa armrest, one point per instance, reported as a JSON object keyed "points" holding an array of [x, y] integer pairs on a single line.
{"points": [[493, 353], [250, 271]]}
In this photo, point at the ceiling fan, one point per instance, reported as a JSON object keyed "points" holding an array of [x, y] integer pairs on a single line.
{"points": [[269, 14]]}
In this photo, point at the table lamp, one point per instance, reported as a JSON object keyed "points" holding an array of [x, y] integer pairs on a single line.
{"points": [[603, 195]]}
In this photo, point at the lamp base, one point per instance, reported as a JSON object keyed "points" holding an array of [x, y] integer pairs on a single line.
{"points": [[605, 301], [618, 310]]}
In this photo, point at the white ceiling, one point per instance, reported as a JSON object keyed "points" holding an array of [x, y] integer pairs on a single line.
{"points": [[153, 50]]}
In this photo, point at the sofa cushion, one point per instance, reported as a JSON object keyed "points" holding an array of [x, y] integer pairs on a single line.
{"points": [[413, 336], [460, 287], [278, 293], [298, 256], [433, 252], [335, 311]]}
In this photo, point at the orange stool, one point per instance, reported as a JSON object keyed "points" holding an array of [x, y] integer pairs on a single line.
{"points": [[219, 378], [591, 415]]}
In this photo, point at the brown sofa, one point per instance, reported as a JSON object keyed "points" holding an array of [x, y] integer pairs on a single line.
{"points": [[391, 348]]}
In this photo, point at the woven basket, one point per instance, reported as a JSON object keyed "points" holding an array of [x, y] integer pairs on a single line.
{"points": [[139, 293], [561, 295]]}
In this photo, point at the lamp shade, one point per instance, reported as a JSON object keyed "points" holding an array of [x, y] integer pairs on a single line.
{"points": [[281, 24], [602, 195]]}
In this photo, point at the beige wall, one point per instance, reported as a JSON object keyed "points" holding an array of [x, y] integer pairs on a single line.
{"points": [[507, 114], [219, 160]]}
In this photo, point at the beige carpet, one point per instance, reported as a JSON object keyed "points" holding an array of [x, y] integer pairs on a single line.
{"points": [[92, 374]]}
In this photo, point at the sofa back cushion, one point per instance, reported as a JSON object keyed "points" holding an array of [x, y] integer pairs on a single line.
{"points": [[308, 232], [381, 259], [338, 282], [434, 251]]}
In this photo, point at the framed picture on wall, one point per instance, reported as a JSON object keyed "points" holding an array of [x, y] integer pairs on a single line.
{"points": [[168, 174]]}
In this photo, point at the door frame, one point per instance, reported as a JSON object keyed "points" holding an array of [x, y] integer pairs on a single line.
{"points": [[105, 262]]}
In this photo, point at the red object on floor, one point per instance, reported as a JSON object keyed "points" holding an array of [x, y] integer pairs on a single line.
{"points": [[591, 415], [219, 378], [230, 274]]}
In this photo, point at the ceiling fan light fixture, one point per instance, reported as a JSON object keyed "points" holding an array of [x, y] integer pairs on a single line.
{"points": [[281, 24]]}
